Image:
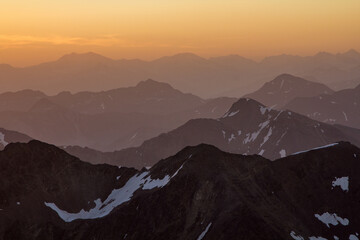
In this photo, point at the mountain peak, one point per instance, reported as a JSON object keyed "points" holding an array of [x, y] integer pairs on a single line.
{"points": [[286, 87], [152, 84], [351, 54], [5, 66], [83, 57], [44, 105], [26, 93], [247, 106], [323, 54], [187, 57], [286, 77]]}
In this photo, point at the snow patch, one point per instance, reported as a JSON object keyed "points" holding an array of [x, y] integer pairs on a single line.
{"points": [[2, 139], [254, 135], [354, 237], [282, 153], [296, 237], [317, 238], [202, 235], [116, 197], [345, 116], [263, 110], [342, 182], [232, 137], [333, 219]]}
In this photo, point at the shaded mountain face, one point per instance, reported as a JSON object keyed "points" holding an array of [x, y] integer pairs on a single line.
{"points": [[150, 97], [107, 121], [199, 193], [7, 136], [285, 88], [187, 72], [342, 107], [247, 128], [19, 101]]}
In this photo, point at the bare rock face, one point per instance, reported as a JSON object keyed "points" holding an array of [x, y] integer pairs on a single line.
{"points": [[199, 193], [247, 128]]}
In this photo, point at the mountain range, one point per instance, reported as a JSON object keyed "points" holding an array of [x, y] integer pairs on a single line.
{"points": [[341, 107], [199, 193], [248, 127], [186, 72], [109, 120]]}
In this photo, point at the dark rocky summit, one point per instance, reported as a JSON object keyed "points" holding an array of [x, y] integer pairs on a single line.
{"points": [[199, 193]]}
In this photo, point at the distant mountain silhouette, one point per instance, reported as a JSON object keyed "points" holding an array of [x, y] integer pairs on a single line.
{"points": [[199, 193], [247, 128], [109, 120], [342, 107], [19, 101], [186, 72], [286, 87]]}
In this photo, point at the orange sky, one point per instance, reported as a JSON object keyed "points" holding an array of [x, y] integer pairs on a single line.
{"points": [[33, 31]]}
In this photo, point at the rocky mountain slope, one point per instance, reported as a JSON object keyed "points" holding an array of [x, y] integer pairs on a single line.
{"points": [[199, 193], [342, 107], [247, 128], [106, 121]]}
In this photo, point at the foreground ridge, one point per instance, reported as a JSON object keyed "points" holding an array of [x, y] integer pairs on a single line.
{"points": [[199, 193]]}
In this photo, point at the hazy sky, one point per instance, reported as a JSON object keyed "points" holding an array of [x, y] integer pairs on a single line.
{"points": [[33, 31]]}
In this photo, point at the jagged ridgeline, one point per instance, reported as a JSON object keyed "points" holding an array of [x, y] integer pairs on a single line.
{"points": [[199, 193]]}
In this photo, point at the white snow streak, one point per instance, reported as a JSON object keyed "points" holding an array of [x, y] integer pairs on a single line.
{"points": [[202, 235], [266, 138], [294, 236], [116, 197], [326, 146], [254, 135], [2, 139], [233, 113]]}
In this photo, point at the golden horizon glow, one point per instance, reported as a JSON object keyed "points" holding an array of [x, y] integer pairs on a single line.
{"points": [[35, 31]]}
